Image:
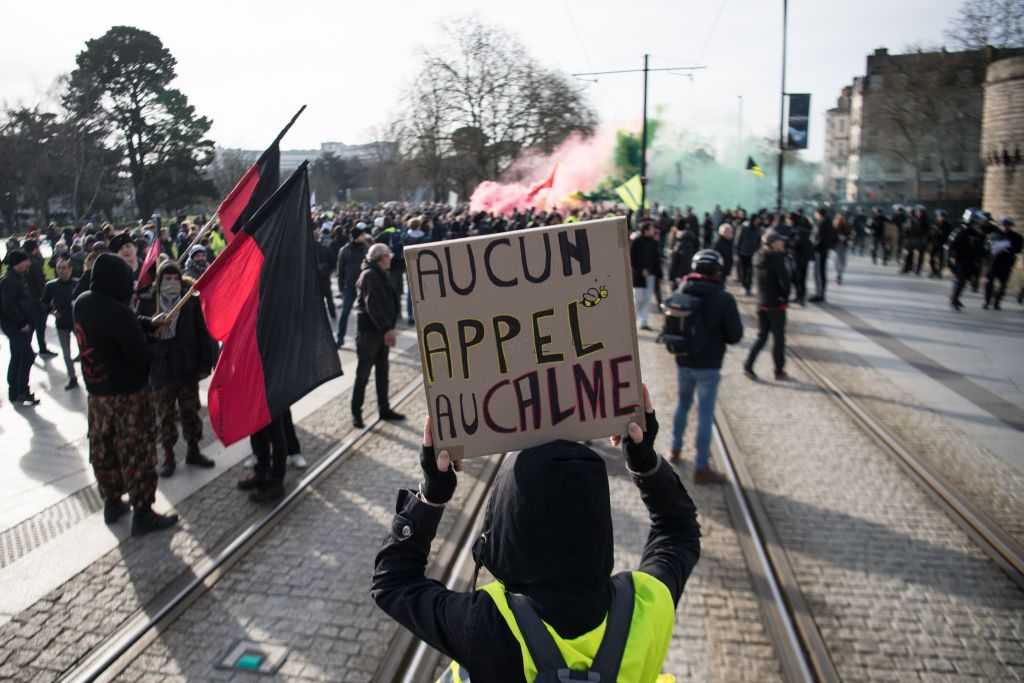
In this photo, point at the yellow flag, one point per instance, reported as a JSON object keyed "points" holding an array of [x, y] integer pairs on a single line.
{"points": [[630, 192]]}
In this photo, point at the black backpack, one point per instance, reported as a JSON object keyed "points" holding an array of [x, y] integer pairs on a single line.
{"points": [[551, 666], [684, 332]]}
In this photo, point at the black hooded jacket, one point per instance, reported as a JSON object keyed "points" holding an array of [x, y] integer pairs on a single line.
{"points": [[115, 355], [773, 279], [720, 316], [548, 535]]}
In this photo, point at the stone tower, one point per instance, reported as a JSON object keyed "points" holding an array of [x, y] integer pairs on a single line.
{"points": [[1002, 139]]}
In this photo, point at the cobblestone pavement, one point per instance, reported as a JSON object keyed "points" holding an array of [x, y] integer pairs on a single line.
{"points": [[306, 585], [992, 484], [897, 590], [299, 589], [54, 633]]}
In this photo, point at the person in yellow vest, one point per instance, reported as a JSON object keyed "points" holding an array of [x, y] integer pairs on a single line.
{"points": [[217, 242], [555, 606]]}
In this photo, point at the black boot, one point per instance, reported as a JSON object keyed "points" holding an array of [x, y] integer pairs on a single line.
{"points": [[145, 520], [194, 457], [273, 490], [252, 482], [113, 510], [357, 421], [391, 416]]}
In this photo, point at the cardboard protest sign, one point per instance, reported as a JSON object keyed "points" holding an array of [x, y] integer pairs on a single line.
{"points": [[527, 336]]}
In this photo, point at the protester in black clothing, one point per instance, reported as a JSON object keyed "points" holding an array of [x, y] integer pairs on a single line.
{"points": [[350, 263], [269, 445], [325, 264], [876, 227], [918, 229], [801, 254], [58, 296], [115, 365], [966, 251], [938, 237], [747, 241], [377, 312], [1002, 246], [707, 231], [547, 535], [16, 316], [860, 231], [35, 280], [182, 356], [723, 245], [645, 260], [686, 245], [823, 237], [772, 297]]}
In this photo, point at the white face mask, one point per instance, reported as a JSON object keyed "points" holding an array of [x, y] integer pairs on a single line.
{"points": [[170, 288]]}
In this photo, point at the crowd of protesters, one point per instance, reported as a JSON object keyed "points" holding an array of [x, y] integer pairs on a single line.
{"points": [[142, 369]]}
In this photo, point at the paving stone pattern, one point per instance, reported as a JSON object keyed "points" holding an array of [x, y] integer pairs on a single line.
{"points": [[58, 630], [306, 585], [897, 590], [981, 476]]}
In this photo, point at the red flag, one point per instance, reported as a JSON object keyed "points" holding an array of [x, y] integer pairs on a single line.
{"points": [[261, 297], [151, 256], [540, 186], [255, 187]]}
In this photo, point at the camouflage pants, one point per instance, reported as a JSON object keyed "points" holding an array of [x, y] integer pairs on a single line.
{"points": [[172, 403], [122, 446]]}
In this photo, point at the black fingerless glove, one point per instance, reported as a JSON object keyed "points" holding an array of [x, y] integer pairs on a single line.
{"points": [[640, 457], [437, 487]]}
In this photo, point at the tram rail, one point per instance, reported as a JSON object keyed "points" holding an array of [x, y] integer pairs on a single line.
{"points": [[115, 653]]}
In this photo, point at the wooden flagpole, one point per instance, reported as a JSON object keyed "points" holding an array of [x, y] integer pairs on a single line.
{"points": [[202, 233]]}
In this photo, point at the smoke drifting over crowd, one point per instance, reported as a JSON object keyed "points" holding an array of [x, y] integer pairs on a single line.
{"points": [[700, 164]]}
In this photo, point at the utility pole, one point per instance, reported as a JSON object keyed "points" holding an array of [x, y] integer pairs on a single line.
{"points": [[643, 135], [643, 149], [739, 127], [782, 111]]}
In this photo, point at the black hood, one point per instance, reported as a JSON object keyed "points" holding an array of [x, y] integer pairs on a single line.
{"points": [[111, 275], [548, 527]]}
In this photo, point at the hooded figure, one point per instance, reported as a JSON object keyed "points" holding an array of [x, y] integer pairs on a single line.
{"points": [[547, 540], [115, 363]]}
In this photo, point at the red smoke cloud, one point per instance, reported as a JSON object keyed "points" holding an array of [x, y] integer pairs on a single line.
{"points": [[582, 164]]}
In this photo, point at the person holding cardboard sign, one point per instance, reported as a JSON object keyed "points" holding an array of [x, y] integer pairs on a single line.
{"points": [[547, 539]]}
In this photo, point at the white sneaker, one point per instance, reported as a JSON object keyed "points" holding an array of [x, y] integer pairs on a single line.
{"points": [[297, 461], [250, 461]]}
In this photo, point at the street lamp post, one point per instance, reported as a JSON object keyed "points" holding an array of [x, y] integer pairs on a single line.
{"points": [[782, 111]]}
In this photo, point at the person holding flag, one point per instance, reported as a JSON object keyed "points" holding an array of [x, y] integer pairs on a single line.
{"points": [[182, 356], [261, 299]]}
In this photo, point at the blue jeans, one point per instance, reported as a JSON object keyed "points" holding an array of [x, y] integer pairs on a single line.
{"points": [[348, 299], [705, 381]]}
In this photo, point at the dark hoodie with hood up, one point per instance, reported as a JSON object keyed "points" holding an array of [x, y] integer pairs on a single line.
{"points": [[115, 355], [720, 316], [547, 535]]}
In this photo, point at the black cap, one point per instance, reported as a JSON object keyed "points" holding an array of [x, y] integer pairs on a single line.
{"points": [[354, 233], [15, 256], [119, 240]]}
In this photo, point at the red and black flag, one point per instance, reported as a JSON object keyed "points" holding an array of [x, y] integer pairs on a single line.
{"points": [[255, 187], [261, 297]]}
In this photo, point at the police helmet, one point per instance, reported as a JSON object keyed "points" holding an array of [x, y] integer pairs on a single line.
{"points": [[974, 216], [707, 262]]}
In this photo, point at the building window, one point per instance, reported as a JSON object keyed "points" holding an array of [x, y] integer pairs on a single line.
{"points": [[842, 149], [958, 165], [842, 126], [926, 165]]}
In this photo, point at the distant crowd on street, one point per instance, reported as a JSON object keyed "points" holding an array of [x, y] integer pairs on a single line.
{"points": [[142, 368]]}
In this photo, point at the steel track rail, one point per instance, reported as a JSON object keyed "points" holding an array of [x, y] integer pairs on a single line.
{"points": [[802, 652], [1003, 549], [409, 659], [109, 658]]}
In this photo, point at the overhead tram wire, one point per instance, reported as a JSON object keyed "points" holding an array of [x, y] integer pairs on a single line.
{"points": [[643, 142]]}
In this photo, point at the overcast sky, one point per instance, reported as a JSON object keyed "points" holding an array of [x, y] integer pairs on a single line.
{"points": [[250, 65]]}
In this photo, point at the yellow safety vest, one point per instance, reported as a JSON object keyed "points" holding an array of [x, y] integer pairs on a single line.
{"points": [[217, 243], [649, 635]]}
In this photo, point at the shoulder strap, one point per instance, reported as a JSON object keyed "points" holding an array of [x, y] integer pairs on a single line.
{"points": [[616, 632], [539, 642]]}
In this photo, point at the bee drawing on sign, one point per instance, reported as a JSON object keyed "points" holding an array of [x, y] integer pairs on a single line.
{"points": [[593, 296]]}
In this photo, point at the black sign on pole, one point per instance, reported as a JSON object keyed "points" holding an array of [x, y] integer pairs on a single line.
{"points": [[799, 114]]}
